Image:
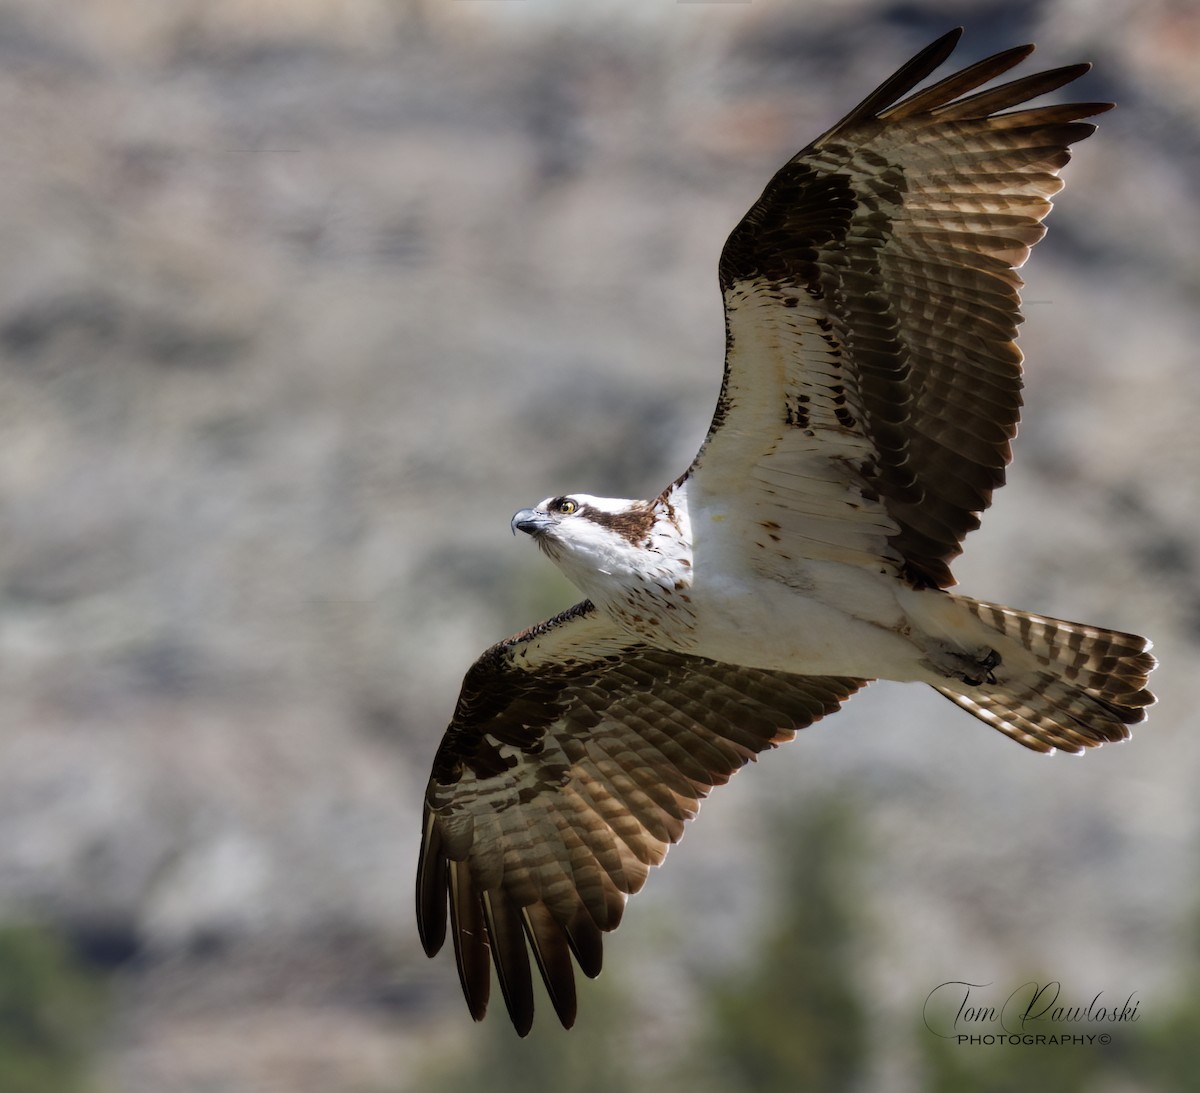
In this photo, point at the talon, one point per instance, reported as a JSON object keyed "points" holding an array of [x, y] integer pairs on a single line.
{"points": [[987, 663]]}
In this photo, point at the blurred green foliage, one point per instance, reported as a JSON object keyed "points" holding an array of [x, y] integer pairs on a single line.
{"points": [[1166, 1054], [1165, 1050], [50, 1012], [794, 1018], [550, 1059]]}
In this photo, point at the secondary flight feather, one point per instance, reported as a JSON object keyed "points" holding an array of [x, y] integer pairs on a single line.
{"points": [[872, 387]]}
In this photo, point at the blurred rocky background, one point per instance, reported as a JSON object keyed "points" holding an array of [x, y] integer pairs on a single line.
{"points": [[299, 301]]}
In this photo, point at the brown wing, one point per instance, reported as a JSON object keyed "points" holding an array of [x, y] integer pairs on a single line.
{"points": [[872, 384], [572, 763]]}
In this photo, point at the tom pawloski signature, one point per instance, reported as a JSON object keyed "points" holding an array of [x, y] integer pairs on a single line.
{"points": [[956, 1006]]}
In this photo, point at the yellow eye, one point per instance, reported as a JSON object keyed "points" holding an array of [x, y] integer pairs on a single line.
{"points": [[564, 506]]}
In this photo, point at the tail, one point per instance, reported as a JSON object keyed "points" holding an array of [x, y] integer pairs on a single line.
{"points": [[1079, 686]]}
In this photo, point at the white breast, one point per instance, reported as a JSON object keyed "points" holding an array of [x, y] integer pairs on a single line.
{"points": [[813, 616]]}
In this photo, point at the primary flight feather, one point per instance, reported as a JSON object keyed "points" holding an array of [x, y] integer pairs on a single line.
{"points": [[872, 387]]}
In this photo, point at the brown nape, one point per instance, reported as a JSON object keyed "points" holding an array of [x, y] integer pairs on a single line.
{"points": [[633, 525]]}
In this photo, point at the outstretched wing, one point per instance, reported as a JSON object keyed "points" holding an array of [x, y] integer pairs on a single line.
{"points": [[872, 383], [572, 762]]}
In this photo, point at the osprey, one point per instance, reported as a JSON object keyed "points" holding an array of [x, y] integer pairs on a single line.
{"points": [[872, 387]]}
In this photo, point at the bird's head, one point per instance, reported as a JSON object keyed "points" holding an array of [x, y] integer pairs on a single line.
{"points": [[591, 537]]}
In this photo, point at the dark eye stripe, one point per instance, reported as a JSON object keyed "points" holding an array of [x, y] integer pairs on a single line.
{"points": [[634, 524]]}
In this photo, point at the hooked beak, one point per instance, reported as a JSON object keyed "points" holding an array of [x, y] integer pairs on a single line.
{"points": [[531, 522]]}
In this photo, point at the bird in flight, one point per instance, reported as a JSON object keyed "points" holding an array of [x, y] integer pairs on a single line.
{"points": [[871, 391]]}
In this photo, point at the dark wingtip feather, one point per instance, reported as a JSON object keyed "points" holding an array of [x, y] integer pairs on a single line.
{"points": [[511, 958], [471, 949], [586, 942], [957, 83], [903, 80], [432, 884], [1010, 94], [553, 956]]}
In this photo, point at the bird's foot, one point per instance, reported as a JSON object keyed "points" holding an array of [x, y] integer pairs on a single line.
{"points": [[973, 669]]}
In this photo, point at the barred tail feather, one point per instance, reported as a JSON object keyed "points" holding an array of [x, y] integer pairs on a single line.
{"points": [[1085, 687]]}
